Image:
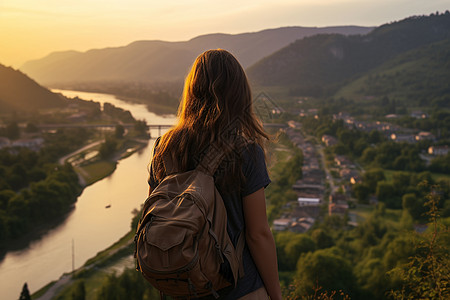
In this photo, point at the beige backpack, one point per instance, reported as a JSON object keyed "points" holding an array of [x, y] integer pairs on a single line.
{"points": [[181, 239]]}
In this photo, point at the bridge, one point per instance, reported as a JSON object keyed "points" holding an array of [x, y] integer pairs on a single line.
{"points": [[160, 127], [130, 125], [100, 126]]}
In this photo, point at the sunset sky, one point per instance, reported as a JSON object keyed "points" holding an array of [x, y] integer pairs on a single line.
{"points": [[31, 29]]}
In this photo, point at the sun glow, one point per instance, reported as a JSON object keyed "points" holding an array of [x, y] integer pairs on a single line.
{"points": [[31, 29]]}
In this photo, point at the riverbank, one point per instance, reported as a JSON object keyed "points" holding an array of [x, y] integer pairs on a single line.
{"points": [[114, 259], [91, 168]]}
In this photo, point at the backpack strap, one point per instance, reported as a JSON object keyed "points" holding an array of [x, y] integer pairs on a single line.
{"points": [[212, 160]]}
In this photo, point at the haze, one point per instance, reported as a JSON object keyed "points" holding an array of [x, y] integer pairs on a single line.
{"points": [[31, 29]]}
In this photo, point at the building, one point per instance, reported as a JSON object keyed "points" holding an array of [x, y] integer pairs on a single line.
{"points": [[4, 142], [329, 140], [33, 144], [281, 224], [438, 150]]}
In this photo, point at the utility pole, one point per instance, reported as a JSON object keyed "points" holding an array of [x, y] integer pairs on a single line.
{"points": [[73, 256]]}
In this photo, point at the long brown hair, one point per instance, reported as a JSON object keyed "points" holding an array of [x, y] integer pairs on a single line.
{"points": [[216, 107]]}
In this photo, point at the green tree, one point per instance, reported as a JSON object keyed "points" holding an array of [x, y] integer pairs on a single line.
{"points": [[426, 275], [25, 294], [119, 131], [413, 205], [387, 193], [322, 239], [326, 269], [108, 147], [361, 192], [79, 291], [371, 178]]}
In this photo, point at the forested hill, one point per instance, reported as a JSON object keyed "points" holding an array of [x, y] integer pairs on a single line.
{"points": [[417, 78], [315, 65], [20, 93], [161, 61]]}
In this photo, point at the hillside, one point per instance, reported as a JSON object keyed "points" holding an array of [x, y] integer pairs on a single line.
{"points": [[20, 93], [160, 61], [420, 77], [319, 64]]}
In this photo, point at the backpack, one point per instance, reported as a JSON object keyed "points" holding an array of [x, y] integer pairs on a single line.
{"points": [[182, 243]]}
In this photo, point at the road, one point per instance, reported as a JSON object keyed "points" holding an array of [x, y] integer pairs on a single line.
{"points": [[327, 172]]}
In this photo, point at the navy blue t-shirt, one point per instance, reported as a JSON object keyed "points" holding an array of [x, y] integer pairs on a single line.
{"points": [[256, 177]]}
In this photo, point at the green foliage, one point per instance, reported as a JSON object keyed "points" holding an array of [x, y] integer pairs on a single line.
{"points": [[140, 126], [427, 273], [290, 246], [108, 147], [119, 131], [322, 239], [33, 192], [441, 164], [325, 268], [62, 142], [79, 291], [129, 285], [413, 55], [25, 294], [117, 113]]}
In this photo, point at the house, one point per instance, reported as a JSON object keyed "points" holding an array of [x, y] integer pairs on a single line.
{"points": [[329, 140], [4, 142], [342, 161], [337, 204], [33, 144], [438, 150], [399, 137], [302, 225], [418, 114], [423, 135], [314, 200], [281, 224], [293, 124]]}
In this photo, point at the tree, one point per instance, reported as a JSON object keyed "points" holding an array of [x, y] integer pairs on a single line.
{"points": [[326, 269], [25, 294], [140, 126], [361, 192], [119, 132], [387, 193], [322, 239], [79, 291], [427, 273], [12, 131], [372, 177], [413, 205], [108, 147]]}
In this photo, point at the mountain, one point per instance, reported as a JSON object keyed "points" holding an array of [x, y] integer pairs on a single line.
{"points": [[419, 77], [160, 61], [320, 64], [20, 93]]}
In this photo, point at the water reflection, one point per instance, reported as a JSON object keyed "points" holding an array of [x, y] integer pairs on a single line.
{"points": [[89, 225]]}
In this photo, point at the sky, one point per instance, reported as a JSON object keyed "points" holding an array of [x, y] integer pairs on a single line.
{"points": [[31, 29]]}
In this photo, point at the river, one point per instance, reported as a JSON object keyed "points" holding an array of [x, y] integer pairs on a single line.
{"points": [[90, 225]]}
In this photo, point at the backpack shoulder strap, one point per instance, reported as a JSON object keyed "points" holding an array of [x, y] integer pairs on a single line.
{"points": [[212, 160]]}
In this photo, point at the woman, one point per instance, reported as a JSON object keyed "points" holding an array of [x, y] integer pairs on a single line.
{"points": [[216, 109]]}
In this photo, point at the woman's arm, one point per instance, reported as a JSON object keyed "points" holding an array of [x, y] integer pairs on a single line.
{"points": [[261, 243]]}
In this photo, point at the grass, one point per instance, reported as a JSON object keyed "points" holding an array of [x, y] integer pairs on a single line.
{"points": [[95, 171], [43, 290]]}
